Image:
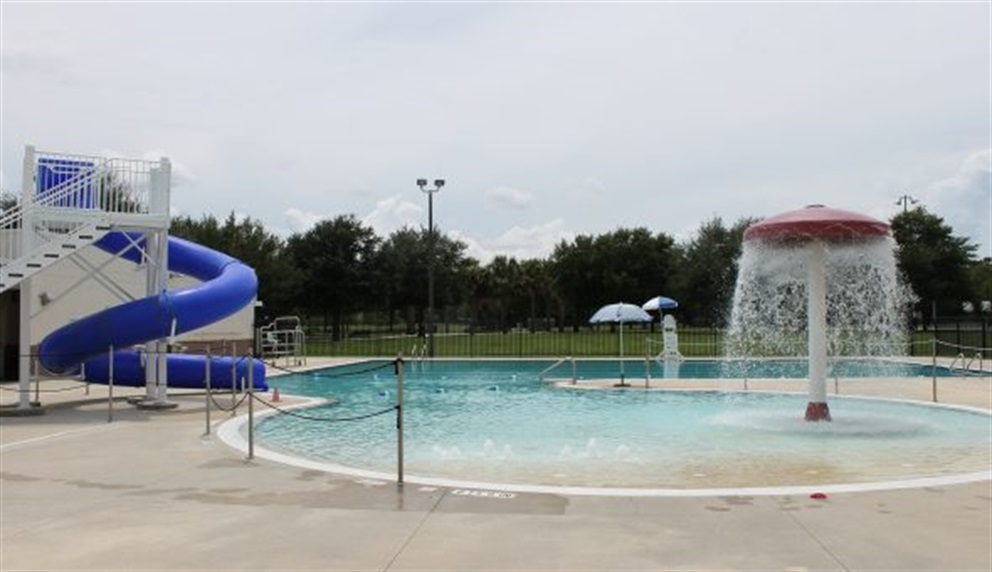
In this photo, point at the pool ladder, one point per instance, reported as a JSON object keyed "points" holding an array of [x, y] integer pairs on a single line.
{"points": [[541, 377], [419, 354], [966, 365]]}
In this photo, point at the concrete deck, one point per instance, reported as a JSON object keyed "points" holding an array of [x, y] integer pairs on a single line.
{"points": [[150, 492]]}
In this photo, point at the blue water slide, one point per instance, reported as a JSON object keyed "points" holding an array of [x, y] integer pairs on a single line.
{"points": [[227, 286]]}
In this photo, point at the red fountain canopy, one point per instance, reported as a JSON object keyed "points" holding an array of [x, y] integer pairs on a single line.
{"points": [[816, 222]]}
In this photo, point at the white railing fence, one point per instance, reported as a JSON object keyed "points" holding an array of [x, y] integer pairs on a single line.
{"points": [[66, 193]]}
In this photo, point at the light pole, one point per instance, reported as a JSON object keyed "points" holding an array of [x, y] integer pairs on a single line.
{"points": [[422, 183], [905, 201]]}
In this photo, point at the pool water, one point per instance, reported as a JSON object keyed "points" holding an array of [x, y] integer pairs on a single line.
{"points": [[494, 421]]}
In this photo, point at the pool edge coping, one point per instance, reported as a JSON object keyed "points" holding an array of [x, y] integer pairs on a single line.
{"points": [[231, 433]]}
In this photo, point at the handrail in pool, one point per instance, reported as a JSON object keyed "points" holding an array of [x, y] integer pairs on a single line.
{"points": [[540, 376]]}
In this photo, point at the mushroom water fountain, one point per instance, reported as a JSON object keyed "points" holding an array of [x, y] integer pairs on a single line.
{"points": [[843, 263]]}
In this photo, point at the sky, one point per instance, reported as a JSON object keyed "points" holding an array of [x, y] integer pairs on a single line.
{"points": [[546, 120]]}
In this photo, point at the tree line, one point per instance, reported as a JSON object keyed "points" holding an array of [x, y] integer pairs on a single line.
{"points": [[340, 274]]}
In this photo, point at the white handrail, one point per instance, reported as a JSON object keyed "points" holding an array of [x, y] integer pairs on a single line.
{"points": [[288, 342], [981, 365], [966, 365], [95, 190], [540, 376]]}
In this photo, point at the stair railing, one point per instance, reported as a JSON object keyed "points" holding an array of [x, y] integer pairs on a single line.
{"points": [[96, 190]]}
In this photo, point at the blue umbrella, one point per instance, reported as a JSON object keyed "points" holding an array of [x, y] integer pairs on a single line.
{"points": [[660, 303], [618, 314]]}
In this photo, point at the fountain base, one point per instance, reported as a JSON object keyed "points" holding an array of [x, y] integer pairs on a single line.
{"points": [[817, 412]]}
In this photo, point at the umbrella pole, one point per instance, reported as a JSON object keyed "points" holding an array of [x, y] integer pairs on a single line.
{"points": [[622, 382]]}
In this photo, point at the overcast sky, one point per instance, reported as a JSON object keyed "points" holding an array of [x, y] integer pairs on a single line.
{"points": [[547, 119]]}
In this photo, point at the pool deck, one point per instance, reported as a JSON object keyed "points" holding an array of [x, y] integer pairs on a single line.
{"points": [[151, 491]]}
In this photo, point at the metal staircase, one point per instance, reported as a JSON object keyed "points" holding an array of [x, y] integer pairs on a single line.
{"points": [[49, 252], [72, 201]]}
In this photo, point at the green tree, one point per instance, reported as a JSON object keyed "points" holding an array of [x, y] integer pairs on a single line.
{"points": [[401, 270], [402, 276], [980, 276], [7, 201], [539, 285], [934, 261], [707, 271], [629, 265], [337, 259], [248, 241], [504, 285], [451, 271]]}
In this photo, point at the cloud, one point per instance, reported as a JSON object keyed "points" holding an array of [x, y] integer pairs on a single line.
{"points": [[473, 248], [45, 67], [392, 214], [389, 215], [587, 188], [299, 221], [964, 200], [521, 243], [510, 197], [182, 175], [673, 111]]}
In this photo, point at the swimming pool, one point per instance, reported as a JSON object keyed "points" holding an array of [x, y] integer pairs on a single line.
{"points": [[495, 422]]}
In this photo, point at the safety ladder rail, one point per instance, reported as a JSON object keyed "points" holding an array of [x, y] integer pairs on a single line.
{"points": [[662, 354], [541, 376], [286, 342], [418, 353], [981, 362], [966, 365]]}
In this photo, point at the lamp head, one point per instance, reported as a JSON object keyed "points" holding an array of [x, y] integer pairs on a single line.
{"points": [[421, 183], [439, 183]]}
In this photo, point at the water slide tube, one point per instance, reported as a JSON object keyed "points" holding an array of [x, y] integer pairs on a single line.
{"points": [[227, 286]]}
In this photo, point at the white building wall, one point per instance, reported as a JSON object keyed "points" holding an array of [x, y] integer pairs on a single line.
{"points": [[67, 303]]}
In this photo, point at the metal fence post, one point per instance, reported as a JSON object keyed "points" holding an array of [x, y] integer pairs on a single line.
{"points": [[251, 410], [647, 362], [933, 369], [206, 394], [110, 386], [37, 381], [234, 381], [399, 420]]}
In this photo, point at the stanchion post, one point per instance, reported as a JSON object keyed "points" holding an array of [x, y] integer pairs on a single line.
{"points": [[399, 420], [647, 363], [933, 369], [234, 381], [206, 393], [110, 386], [251, 412], [37, 382]]}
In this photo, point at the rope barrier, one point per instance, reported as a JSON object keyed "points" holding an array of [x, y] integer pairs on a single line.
{"points": [[385, 365], [226, 409], [963, 347], [60, 390], [324, 419]]}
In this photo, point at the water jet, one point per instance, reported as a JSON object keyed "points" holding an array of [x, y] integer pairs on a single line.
{"points": [[815, 228]]}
